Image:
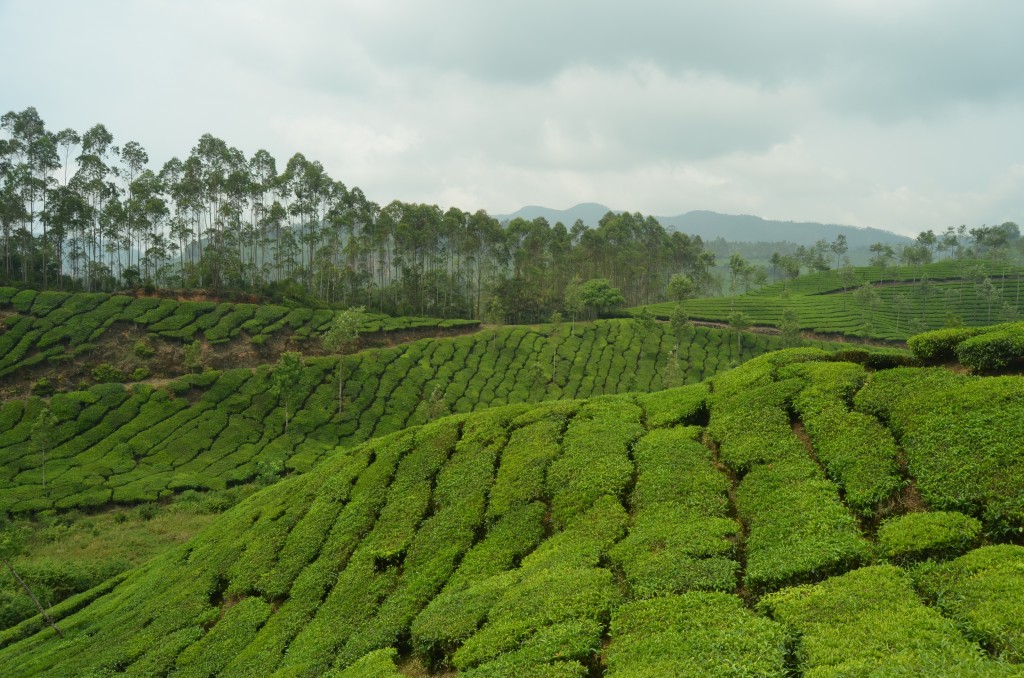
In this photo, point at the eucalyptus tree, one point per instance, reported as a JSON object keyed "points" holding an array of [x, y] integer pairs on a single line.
{"points": [[839, 247], [262, 175], [35, 152], [92, 180], [133, 159], [147, 204]]}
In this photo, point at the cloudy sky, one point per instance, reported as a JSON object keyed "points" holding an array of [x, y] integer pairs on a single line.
{"points": [[899, 114]]}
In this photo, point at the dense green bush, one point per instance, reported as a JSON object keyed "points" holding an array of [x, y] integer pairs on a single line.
{"points": [[51, 581], [961, 437], [855, 449], [918, 536], [680, 538], [983, 591], [695, 634], [993, 350], [940, 346], [870, 622]]}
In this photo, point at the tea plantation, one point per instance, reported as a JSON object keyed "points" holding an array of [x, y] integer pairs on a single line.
{"points": [[797, 515], [112, 443], [56, 327], [897, 302]]}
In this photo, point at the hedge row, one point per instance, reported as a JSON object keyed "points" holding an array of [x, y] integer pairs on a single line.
{"points": [[482, 543], [436, 534], [215, 429], [871, 622], [936, 535], [856, 451], [983, 591], [798, 530], [961, 436], [680, 538], [980, 348], [58, 325], [694, 634], [825, 303]]}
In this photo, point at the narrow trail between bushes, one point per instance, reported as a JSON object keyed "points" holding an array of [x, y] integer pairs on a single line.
{"points": [[733, 513]]}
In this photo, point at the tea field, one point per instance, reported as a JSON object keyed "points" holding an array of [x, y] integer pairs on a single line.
{"points": [[112, 443], [898, 306], [56, 328], [797, 515]]}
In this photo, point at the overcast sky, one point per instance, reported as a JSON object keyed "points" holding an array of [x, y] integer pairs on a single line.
{"points": [[899, 114]]}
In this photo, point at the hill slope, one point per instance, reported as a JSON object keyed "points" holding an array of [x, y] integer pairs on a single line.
{"points": [[625, 535], [136, 443], [899, 301]]}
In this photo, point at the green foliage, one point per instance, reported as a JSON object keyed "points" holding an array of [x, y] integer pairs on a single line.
{"points": [[51, 581], [680, 536], [287, 379], [506, 541], [695, 634], [106, 373], [993, 350], [960, 435], [42, 388], [54, 325], [855, 449], [798, 530], [894, 305], [193, 356], [143, 349], [982, 591], [594, 460], [600, 295], [376, 664], [939, 346], [870, 622], [918, 536]]}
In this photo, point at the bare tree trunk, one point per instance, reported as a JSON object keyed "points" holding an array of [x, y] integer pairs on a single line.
{"points": [[42, 611]]}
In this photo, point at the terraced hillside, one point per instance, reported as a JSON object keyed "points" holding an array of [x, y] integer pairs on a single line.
{"points": [[894, 306], [58, 328], [128, 444], [794, 516]]}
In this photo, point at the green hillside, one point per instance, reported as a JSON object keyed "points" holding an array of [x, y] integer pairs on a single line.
{"points": [[139, 443], [797, 515], [62, 331], [896, 303]]}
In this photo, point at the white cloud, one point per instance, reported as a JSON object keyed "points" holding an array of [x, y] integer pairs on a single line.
{"points": [[901, 114]]}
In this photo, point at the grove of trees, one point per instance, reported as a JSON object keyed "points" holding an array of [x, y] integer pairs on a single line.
{"points": [[78, 211]]}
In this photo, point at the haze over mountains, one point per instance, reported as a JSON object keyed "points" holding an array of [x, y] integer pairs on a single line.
{"points": [[737, 228]]}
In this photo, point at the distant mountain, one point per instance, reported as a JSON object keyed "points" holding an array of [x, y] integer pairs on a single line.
{"points": [[589, 212], [735, 228]]}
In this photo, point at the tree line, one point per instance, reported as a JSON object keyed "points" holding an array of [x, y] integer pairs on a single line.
{"points": [[78, 211]]}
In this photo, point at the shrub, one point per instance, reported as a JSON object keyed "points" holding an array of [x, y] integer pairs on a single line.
{"points": [[919, 536], [106, 373], [43, 388], [993, 350], [961, 438], [939, 346], [695, 634], [870, 622], [143, 349], [983, 591], [798, 530]]}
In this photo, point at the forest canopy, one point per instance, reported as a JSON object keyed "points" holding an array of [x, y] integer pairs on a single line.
{"points": [[79, 211]]}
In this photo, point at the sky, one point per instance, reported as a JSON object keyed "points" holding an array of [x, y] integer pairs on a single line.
{"points": [[897, 114]]}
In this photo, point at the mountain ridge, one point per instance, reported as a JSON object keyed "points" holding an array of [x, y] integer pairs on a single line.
{"points": [[733, 227]]}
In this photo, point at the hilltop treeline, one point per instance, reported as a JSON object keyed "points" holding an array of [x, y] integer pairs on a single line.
{"points": [[79, 211]]}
